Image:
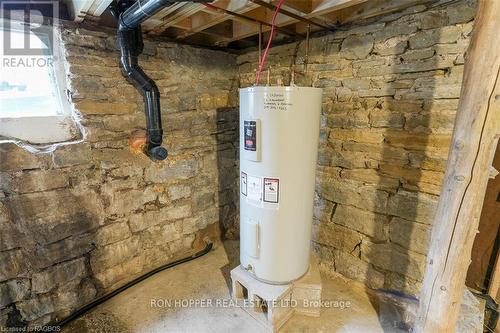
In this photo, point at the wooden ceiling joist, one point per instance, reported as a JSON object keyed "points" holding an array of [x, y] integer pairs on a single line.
{"points": [[236, 20], [177, 16], [158, 18], [290, 12], [371, 9], [216, 18], [320, 7], [79, 9]]}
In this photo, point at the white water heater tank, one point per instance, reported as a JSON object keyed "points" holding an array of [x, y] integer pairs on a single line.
{"points": [[279, 134]]}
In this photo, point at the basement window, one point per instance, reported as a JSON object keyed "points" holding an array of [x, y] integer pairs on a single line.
{"points": [[34, 108]]}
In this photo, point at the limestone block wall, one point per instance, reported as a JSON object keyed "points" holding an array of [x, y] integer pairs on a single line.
{"points": [[391, 88], [89, 217]]}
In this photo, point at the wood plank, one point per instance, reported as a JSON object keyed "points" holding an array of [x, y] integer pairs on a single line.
{"points": [[303, 6], [372, 9], [489, 224], [494, 290], [244, 27], [243, 30], [160, 15], [98, 7], [217, 18], [183, 18], [177, 16], [158, 18], [224, 29], [194, 18], [295, 14], [321, 7], [475, 137], [81, 8]]}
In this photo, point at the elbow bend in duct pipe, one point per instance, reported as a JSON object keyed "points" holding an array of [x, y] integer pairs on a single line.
{"points": [[130, 15], [151, 96], [131, 45]]}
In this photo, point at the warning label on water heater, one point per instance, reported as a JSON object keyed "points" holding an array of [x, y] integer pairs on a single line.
{"points": [[254, 185], [271, 190]]}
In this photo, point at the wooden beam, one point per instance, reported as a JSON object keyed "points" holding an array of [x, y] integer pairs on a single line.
{"points": [[370, 9], [194, 18], [303, 6], [80, 8], [481, 272], [157, 18], [475, 137], [250, 24], [290, 12], [216, 18], [245, 28], [322, 10], [493, 290], [98, 7], [327, 6], [224, 30], [175, 17]]}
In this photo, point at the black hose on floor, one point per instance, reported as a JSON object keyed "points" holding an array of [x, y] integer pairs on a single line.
{"points": [[106, 297]]}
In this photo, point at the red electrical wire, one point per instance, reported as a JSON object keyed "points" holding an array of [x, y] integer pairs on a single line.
{"points": [[264, 56]]}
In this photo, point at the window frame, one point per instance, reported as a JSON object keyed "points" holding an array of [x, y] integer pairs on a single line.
{"points": [[60, 128]]}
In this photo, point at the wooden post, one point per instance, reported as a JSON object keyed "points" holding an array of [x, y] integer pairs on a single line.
{"points": [[475, 136], [494, 287]]}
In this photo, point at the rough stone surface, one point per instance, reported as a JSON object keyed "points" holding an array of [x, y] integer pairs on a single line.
{"points": [[90, 217], [13, 291], [410, 235], [390, 94], [14, 263], [391, 257], [368, 223], [54, 276], [413, 206], [425, 38], [391, 46], [356, 47]]}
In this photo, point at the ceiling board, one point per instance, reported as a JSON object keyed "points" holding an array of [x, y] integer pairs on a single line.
{"points": [[224, 21]]}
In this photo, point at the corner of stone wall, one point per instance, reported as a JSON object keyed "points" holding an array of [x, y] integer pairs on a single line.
{"points": [[89, 217], [390, 92]]}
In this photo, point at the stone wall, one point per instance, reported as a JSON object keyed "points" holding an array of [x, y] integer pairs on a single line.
{"points": [[89, 217], [391, 89]]}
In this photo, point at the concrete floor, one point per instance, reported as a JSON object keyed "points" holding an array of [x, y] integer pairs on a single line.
{"points": [[207, 278]]}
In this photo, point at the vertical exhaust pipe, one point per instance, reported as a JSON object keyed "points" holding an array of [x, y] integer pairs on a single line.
{"points": [[130, 15]]}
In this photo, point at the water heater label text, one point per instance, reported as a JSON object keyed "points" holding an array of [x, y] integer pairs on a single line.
{"points": [[276, 101]]}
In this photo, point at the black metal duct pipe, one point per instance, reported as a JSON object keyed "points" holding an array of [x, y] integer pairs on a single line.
{"points": [[130, 15], [130, 43], [140, 11]]}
